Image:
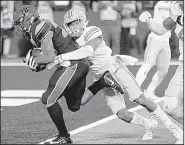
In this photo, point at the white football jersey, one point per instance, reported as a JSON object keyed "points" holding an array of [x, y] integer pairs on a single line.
{"points": [[161, 12], [101, 60], [180, 34]]}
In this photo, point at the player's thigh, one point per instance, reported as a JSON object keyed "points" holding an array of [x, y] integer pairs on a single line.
{"points": [[74, 95], [164, 57], [152, 50], [76, 87], [57, 84], [128, 81], [114, 100], [175, 87]]}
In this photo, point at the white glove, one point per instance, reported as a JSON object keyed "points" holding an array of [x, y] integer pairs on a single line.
{"points": [[145, 16], [58, 60], [30, 62]]}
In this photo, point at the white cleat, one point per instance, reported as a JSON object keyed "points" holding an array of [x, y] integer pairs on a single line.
{"points": [[149, 129], [150, 96]]}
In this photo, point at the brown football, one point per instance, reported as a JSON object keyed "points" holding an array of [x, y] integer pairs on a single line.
{"points": [[36, 52]]}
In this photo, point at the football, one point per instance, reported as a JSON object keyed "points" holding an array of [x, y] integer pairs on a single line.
{"points": [[36, 52]]}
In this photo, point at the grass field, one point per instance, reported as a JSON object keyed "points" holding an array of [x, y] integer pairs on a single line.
{"points": [[24, 120]]}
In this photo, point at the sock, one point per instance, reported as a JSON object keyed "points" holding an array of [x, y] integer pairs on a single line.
{"points": [[156, 81], [56, 114], [174, 129], [139, 120]]}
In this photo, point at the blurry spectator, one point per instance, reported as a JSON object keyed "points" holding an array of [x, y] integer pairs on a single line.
{"points": [[94, 5], [129, 38], [110, 24], [78, 5], [30, 2], [60, 5], [45, 10], [87, 4], [7, 10]]}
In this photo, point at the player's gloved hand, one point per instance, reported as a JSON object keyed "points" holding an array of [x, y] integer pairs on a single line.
{"points": [[145, 16], [58, 60], [30, 62]]}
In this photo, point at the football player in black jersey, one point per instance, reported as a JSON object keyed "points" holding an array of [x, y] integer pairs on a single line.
{"points": [[68, 81]]}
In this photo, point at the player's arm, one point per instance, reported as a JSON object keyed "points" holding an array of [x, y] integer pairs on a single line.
{"points": [[83, 52], [48, 55], [161, 28]]}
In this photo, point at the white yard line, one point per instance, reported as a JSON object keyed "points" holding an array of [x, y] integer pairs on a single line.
{"points": [[22, 93], [23, 64], [104, 120]]}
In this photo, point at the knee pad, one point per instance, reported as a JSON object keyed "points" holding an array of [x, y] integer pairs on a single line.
{"points": [[162, 73], [170, 104]]}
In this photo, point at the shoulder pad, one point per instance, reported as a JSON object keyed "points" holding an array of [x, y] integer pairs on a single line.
{"points": [[91, 33], [42, 29]]}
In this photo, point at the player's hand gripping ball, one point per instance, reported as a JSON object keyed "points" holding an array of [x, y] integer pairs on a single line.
{"points": [[145, 16], [31, 62]]}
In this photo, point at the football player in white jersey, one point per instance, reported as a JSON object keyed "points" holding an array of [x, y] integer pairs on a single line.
{"points": [[157, 52], [173, 103], [99, 56]]}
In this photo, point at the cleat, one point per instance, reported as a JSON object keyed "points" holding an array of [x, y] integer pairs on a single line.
{"points": [[111, 81], [59, 140], [150, 96], [149, 129]]}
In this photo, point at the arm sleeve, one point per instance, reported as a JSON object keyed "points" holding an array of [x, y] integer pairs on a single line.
{"points": [[168, 23]]}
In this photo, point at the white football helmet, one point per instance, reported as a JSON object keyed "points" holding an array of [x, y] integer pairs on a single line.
{"points": [[79, 24]]}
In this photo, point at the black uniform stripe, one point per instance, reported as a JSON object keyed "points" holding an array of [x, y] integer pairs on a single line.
{"points": [[43, 31]]}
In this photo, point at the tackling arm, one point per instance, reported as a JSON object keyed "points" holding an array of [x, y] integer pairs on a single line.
{"points": [[81, 53]]}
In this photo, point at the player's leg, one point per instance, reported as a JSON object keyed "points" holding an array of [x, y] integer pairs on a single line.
{"points": [[76, 88], [106, 80], [151, 52], [173, 103], [57, 85], [135, 94], [162, 63], [92, 90], [116, 103]]}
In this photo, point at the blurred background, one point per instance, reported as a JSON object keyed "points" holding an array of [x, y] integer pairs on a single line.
{"points": [[122, 30]]}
